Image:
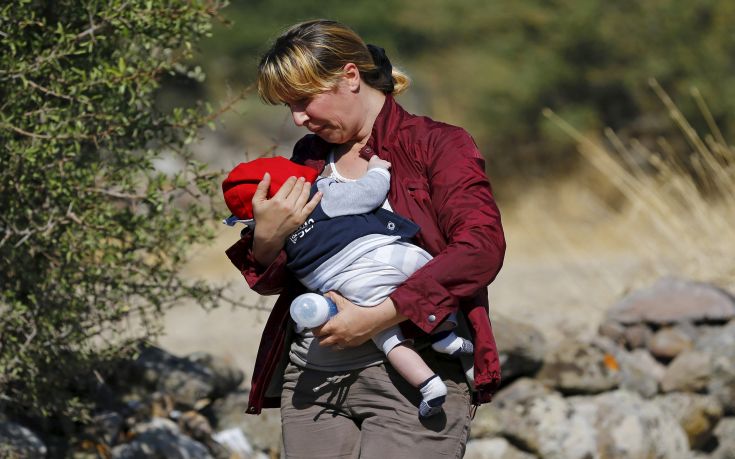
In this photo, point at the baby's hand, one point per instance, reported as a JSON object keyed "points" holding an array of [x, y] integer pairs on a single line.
{"points": [[377, 162]]}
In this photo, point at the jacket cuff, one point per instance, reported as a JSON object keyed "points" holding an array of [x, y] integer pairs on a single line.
{"points": [[424, 301], [263, 280]]}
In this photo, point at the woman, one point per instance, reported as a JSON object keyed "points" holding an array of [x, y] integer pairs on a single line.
{"points": [[350, 402]]}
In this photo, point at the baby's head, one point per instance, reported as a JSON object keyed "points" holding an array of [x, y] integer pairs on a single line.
{"points": [[241, 183]]}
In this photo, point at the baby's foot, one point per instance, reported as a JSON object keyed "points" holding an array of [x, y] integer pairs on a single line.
{"points": [[434, 393], [449, 343]]}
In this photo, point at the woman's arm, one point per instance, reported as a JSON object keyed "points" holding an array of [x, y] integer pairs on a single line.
{"points": [[469, 220], [355, 325]]}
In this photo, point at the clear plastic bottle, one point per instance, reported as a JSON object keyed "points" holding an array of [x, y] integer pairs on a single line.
{"points": [[310, 310]]}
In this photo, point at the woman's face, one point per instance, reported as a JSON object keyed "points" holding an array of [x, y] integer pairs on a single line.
{"points": [[335, 115]]}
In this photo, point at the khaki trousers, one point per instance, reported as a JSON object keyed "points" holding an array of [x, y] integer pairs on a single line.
{"points": [[372, 413]]}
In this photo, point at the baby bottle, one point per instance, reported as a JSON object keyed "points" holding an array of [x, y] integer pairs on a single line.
{"points": [[311, 310]]}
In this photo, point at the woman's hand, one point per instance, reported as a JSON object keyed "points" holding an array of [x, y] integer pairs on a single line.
{"points": [[355, 325], [280, 215]]}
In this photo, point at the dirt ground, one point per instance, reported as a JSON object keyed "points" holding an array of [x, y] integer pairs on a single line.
{"points": [[559, 295]]}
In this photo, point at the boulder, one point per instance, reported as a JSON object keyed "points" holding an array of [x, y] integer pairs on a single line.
{"points": [[640, 372], [263, 431], [494, 448], [725, 433], [671, 300], [492, 419], [521, 348], [690, 371], [697, 414], [576, 367], [189, 383], [719, 342], [615, 424], [160, 439], [18, 441], [227, 377], [669, 342], [637, 336], [630, 427]]}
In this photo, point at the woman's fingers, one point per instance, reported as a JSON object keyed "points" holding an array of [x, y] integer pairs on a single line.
{"points": [[303, 196], [285, 189], [261, 191]]}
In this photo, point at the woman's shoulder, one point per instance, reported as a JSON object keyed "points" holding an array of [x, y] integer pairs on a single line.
{"points": [[436, 136]]}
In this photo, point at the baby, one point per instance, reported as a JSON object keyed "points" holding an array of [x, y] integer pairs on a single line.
{"points": [[350, 244]]}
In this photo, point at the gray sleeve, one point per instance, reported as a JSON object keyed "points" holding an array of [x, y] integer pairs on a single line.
{"points": [[354, 198]]}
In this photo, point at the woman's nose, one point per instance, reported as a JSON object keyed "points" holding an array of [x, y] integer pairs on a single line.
{"points": [[299, 117]]}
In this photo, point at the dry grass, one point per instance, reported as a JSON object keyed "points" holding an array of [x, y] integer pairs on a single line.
{"points": [[678, 214]]}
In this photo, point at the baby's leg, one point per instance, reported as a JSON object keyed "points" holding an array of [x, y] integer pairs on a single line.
{"points": [[409, 364], [444, 339]]}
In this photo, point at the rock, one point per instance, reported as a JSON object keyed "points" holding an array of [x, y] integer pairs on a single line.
{"points": [[640, 372], [491, 419], [637, 336], [227, 377], [551, 428], [613, 330], [494, 448], [263, 430], [688, 372], [106, 427], [18, 441], [672, 300], [720, 343], [189, 383], [725, 433], [615, 424], [521, 348], [669, 342], [160, 439], [697, 415], [580, 368], [630, 427]]}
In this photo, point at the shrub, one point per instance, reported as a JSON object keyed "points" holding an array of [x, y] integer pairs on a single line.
{"points": [[92, 234]]}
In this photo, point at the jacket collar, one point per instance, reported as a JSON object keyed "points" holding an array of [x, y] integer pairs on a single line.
{"points": [[384, 128]]}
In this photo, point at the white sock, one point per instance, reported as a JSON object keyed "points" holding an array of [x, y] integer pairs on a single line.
{"points": [[453, 345], [434, 392]]}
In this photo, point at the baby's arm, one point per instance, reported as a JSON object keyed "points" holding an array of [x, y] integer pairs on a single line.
{"points": [[358, 197]]}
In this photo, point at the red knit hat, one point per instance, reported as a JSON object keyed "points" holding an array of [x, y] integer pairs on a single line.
{"points": [[241, 183]]}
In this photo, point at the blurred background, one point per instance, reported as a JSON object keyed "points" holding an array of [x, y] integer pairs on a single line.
{"points": [[603, 126]]}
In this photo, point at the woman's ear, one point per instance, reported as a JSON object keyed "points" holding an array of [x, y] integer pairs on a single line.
{"points": [[352, 76]]}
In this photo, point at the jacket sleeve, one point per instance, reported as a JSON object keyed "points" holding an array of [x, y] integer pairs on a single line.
{"points": [[469, 220], [264, 280]]}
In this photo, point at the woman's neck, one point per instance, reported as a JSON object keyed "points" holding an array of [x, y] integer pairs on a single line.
{"points": [[373, 101]]}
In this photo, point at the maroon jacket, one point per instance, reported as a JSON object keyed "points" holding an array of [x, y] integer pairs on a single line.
{"points": [[438, 181]]}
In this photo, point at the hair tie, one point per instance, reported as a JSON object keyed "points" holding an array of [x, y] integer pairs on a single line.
{"points": [[385, 69]]}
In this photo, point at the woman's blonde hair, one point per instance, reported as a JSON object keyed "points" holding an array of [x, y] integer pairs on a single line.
{"points": [[309, 58]]}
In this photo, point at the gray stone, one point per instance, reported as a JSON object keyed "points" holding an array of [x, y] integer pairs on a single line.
{"points": [[689, 372], [725, 433], [613, 330], [637, 336], [697, 415], [189, 383], [160, 439], [630, 427], [263, 430], [492, 419], [576, 367], [494, 448], [18, 441], [227, 377], [521, 348], [720, 343], [672, 300], [640, 372], [669, 342], [106, 427]]}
